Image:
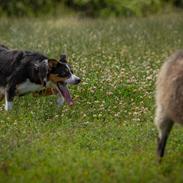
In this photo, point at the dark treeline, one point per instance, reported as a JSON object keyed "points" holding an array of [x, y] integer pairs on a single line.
{"points": [[93, 8]]}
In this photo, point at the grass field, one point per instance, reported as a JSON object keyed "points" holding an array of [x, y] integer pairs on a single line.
{"points": [[109, 135]]}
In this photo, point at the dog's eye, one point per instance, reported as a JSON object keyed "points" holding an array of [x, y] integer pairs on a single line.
{"points": [[64, 73]]}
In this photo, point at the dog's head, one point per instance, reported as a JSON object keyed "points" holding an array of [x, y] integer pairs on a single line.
{"points": [[61, 74]]}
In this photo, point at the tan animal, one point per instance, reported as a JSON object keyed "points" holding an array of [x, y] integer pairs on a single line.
{"points": [[169, 98]]}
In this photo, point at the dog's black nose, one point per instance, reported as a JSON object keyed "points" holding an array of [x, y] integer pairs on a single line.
{"points": [[78, 81]]}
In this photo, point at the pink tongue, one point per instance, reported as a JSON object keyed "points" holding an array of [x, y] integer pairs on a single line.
{"points": [[66, 95]]}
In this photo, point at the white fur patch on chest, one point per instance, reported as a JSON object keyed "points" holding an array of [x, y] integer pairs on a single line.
{"points": [[28, 86]]}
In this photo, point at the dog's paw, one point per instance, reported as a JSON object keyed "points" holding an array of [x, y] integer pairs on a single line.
{"points": [[60, 101], [8, 106]]}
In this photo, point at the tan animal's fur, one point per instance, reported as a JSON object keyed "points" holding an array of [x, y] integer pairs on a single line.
{"points": [[169, 98]]}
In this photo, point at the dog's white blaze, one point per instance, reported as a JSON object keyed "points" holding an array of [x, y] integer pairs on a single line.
{"points": [[28, 86], [68, 68], [72, 79]]}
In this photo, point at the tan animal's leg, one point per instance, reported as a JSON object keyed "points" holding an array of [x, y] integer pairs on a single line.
{"points": [[164, 125]]}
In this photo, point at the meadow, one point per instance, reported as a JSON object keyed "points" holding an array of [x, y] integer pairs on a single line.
{"points": [[108, 135]]}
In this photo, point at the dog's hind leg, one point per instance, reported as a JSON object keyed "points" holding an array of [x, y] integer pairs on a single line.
{"points": [[9, 96], [8, 103], [10, 90], [164, 125]]}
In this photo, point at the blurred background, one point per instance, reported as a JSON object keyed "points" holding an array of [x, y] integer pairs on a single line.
{"points": [[90, 8]]}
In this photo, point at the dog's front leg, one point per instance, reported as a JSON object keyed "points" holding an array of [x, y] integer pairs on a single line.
{"points": [[9, 95], [60, 100]]}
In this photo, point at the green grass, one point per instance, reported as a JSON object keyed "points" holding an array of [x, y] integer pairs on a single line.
{"points": [[109, 135]]}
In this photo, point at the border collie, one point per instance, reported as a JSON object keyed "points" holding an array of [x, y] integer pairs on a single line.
{"points": [[22, 72]]}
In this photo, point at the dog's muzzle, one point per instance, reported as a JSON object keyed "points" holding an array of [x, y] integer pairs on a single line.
{"points": [[73, 80]]}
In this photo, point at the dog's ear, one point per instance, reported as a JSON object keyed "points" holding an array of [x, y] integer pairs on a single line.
{"points": [[41, 69], [43, 72], [52, 63], [36, 66], [63, 58]]}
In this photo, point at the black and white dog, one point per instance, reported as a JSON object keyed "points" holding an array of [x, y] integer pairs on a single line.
{"points": [[22, 72]]}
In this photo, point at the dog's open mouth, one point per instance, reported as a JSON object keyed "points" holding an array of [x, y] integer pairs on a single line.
{"points": [[63, 90]]}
